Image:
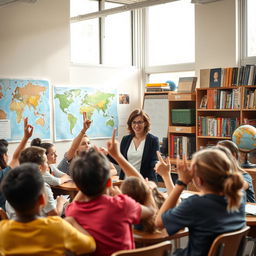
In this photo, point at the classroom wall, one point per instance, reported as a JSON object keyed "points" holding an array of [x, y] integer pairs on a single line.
{"points": [[35, 44]]}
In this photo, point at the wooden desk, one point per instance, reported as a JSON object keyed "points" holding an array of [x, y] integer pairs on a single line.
{"points": [[144, 239]]}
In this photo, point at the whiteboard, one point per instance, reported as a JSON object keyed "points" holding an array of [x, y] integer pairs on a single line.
{"points": [[156, 106]]}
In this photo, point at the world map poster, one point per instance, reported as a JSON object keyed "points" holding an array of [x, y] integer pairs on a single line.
{"points": [[25, 98], [100, 106]]}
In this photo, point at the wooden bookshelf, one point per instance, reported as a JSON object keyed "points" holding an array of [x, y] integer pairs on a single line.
{"points": [[218, 122], [183, 133]]}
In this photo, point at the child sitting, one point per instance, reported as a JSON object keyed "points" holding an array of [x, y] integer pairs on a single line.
{"points": [[248, 185], [5, 167], [37, 155], [218, 209], [53, 176], [28, 234], [108, 219]]}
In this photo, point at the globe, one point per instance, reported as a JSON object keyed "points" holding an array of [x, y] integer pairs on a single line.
{"points": [[172, 85], [245, 138]]}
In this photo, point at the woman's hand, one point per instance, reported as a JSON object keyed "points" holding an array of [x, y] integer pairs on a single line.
{"points": [[185, 173], [162, 167]]}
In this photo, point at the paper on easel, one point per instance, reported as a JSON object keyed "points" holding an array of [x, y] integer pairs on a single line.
{"points": [[5, 129]]}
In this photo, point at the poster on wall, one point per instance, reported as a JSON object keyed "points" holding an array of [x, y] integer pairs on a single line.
{"points": [[99, 104], [20, 98]]}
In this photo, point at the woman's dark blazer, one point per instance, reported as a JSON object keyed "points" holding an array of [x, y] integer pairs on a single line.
{"points": [[149, 156]]}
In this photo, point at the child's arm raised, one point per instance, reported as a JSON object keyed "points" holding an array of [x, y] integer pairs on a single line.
{"points": [[77, 140], [185, 174], [28, 131], [163, 169], [113, 150]]}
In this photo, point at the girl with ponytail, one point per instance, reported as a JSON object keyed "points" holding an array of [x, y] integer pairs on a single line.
{"points": [[219, 208]]}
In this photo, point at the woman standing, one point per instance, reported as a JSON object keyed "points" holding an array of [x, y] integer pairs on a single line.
{"points": [[140, 147]]}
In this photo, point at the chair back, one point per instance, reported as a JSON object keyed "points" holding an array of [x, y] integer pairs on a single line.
{"points": [[231, 244], [160, 249]]}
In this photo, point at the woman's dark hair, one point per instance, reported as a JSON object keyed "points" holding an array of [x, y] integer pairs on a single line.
{"points": [[38, 143], [135, 113], [4, 142], [3, 151]]}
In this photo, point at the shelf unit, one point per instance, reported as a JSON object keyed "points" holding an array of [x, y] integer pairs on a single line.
{"points": [[215, 123], [179, 101]]}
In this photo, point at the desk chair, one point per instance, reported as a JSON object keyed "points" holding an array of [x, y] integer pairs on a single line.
{"points": [[160, 249], [231, 244]]}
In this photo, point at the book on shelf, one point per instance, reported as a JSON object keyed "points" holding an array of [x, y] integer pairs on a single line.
{"points": [[187, 84], [249, 121], [215, 77], [204, 78], [181, 145], [250, 98]]}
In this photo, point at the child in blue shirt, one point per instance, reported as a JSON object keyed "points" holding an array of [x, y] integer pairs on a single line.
{"points": [[218, 209]]}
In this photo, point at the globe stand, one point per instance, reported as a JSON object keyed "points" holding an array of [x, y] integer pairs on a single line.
{"points": [[246, 164]]}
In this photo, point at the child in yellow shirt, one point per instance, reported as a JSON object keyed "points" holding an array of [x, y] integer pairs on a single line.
{"points": [[28, 234]]}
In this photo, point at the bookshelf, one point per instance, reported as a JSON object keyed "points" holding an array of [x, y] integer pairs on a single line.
{"points": [[225, 110], [183, 135]]}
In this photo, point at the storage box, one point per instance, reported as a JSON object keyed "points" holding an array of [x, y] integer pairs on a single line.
{"points": [[184, 117]]}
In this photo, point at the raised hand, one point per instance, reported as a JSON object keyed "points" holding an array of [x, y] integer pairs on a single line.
{"points": [[28, 129], [162, 167], [185, 173], [86, 123], [113, 145]]}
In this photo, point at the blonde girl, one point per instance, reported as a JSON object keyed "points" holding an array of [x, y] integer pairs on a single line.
{"points": [[218, 209]]}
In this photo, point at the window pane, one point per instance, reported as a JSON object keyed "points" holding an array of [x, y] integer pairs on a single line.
{"points": [[251, 21], [117, 39], [79, 7], [171, 33], [173, 76], [85, 41]]}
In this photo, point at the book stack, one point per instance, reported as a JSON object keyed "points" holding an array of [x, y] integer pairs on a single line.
{"points": [[157, 87], [250, 99]]}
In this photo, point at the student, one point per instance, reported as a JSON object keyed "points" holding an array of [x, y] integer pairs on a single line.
{"points": [[108, 219], [5, 167], [53, 176], [248, 185], [218, 209], [37, 155], [28, 234], [80, 143]]}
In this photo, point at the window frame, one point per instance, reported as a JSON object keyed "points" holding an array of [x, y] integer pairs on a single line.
{"points": [[243, 39]]}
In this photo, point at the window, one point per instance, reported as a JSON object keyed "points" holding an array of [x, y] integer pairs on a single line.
{"points": [[251, 28], [171, 33], [106, 40], [170, 42]]}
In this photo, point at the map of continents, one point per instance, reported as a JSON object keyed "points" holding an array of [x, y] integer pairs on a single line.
{"points": [[25, 98], [100, 106]]}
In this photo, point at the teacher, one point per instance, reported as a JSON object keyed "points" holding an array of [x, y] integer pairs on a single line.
{"points": [[139, 147]]}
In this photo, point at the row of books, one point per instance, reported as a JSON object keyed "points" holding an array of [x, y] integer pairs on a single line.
{"points": [[217, 126], [182, 145], [250, 99], [227, 77], [221, 99]]}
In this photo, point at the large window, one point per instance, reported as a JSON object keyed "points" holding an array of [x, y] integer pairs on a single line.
{"points": [[171, 33], [101, 40], [251, 28], [170, 41]]}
